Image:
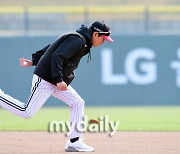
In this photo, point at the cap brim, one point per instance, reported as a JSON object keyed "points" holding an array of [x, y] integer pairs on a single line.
{"points": [[107, 38]]}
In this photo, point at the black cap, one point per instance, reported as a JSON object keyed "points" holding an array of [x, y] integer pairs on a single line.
{"points": [[103, 29]]}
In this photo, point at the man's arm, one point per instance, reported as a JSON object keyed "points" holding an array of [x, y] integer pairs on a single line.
{"points": [[35, 58], [38, 54]]}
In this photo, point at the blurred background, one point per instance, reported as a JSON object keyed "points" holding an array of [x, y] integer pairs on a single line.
{"points": [[141, 66], [57, 16]]}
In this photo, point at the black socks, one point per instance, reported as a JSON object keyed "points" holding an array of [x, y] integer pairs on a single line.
{"points": [[74, 139]]}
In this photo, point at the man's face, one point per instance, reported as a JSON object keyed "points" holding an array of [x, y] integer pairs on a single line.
{"points": [[96, 39]]}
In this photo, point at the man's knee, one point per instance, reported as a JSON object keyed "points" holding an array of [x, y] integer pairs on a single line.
{"points": [[79, 103], [28, 116]]}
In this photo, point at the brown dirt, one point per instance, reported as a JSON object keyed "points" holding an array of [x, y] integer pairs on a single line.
{"points": [[120, 143]]}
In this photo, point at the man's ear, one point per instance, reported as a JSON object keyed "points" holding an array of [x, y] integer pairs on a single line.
{"points": [[95, 33]]}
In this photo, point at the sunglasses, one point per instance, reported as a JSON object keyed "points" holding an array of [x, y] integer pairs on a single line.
{"points": [[104, 33]]}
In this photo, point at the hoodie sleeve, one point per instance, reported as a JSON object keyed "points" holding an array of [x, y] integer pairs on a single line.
{"points": [[65, 51], [38, 54]]}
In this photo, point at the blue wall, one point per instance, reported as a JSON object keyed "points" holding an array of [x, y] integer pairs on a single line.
{"points": [[133, 70]]}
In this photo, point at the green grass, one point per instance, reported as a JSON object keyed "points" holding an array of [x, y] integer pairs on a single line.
{"points": [[130, 118]]}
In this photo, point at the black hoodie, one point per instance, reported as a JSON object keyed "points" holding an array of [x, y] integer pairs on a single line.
{"points": [[56, 62]]}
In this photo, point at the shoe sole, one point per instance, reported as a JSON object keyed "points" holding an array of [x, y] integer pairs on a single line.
{"points": [[71, 149]]}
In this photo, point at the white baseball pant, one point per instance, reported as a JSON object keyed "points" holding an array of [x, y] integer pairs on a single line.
{"points": [[41, 90]]}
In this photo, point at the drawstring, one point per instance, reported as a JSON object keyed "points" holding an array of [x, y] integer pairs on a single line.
{"points": [[89, 57]]}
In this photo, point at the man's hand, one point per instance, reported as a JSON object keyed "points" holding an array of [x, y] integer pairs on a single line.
{"points": [[25, 62], [62, 86]]}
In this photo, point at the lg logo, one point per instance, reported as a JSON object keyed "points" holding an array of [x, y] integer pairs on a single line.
{"points": [[147, 73], [175, 64]]}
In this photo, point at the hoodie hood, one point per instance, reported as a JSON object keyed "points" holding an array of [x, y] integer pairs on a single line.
{"points": [[86, 31]]}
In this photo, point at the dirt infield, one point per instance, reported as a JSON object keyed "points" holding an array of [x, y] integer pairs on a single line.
{"points": [[120, 143]]}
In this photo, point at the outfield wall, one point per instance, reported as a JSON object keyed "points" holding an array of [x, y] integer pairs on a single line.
{"points": [[134, 70]]}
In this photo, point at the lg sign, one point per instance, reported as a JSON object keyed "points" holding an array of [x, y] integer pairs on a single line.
{"points": [[147, 73]]}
